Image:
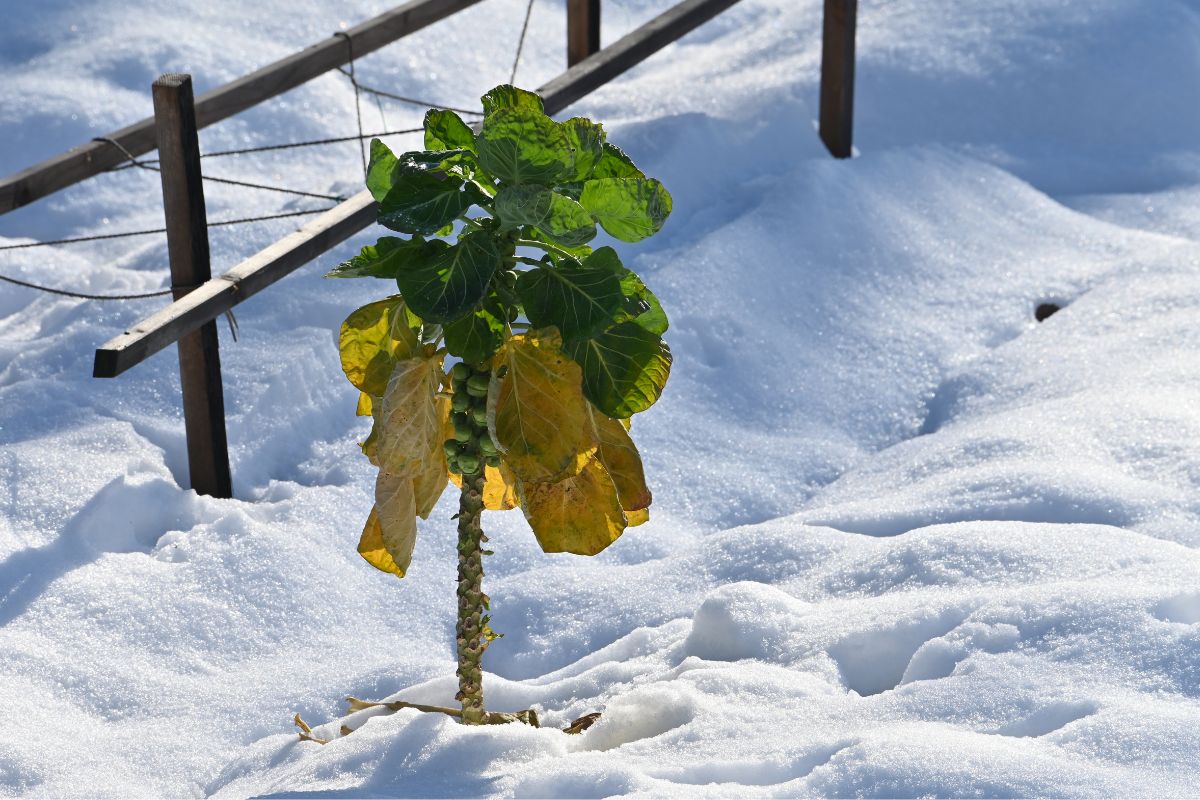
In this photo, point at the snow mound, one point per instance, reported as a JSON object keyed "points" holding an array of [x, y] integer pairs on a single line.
{"points": [[906, 541]]}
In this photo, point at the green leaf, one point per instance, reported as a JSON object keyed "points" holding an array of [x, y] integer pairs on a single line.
{"points": [[581, 252], [493, 305], [624, 368], [523, 146], [439, 161], [640, 306], [528, 204], [628, 208], [475, 337], [453, 282], [586, 139], [445, 130], [458, 164], [568, 223], [509, 96], [571, 190], [422, 203], [614, 163], [560, 218], [384, 259], [380, 169], [578, 299]]}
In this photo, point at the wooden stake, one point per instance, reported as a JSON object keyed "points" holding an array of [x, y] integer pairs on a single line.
{"points": [[837, 76], [583, 29], [187, 247]]}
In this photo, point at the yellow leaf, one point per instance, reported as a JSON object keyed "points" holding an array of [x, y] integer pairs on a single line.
{"points": [[639, 517], [499, 487], [372, 340], [540, 418], [370, 546], [429, 481], [396, 520], [429, 478], [579, 514], [409, 423], [620, 458], [365, 403], [370, 445]]}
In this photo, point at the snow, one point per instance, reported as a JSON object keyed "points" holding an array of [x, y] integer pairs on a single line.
{"points": [[906, 540]]}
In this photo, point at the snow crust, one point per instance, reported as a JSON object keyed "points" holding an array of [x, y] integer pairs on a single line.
{"points": [[906, 540]]}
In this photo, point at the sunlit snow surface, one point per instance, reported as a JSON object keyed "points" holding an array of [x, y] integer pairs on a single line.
{"points": [[906, 541]]}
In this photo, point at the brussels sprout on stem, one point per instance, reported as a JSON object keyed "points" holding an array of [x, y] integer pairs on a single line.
{"points": [[472, 632]]}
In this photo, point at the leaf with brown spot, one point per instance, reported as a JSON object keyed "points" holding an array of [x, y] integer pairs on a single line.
{"points": [[388, 543], [580, 514], [620, 458], [540, 419], [409, 423], [429, 477]]}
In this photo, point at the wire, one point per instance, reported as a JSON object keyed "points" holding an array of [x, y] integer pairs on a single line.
{"points": [[362, 147], [150, 231], [215, 179], [82, 295], [411, 100], [285, 146], [521, 42]]}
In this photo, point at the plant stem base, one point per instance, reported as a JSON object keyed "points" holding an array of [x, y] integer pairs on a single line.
{"points": [[472, 633]]}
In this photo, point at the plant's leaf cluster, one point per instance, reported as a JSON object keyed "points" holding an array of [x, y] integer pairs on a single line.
{"points": [[497, 226]]}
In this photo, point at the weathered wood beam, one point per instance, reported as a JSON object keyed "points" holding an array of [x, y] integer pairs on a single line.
{"points": [[628, 51], [583, 29], [837, 77], [187, 246], [95, 157]]}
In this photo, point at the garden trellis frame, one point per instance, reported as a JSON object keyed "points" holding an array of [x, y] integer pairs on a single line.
{"points": [[200, 299]]}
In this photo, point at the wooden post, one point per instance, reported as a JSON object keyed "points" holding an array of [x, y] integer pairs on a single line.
{"points": [[583, 29], [837, 76], [187, 247]]}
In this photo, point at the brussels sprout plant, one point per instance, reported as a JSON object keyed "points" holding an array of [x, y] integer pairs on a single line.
{"points": [[514, 354]]}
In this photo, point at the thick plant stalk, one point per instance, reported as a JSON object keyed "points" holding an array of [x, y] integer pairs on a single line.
{"points": [[468, 453], [472, 627]]}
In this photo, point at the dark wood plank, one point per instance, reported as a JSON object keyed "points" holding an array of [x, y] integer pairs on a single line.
{"points": [[630, 50], [583, 29], [93, 158], [187, 247], [837, 77], [225, 291], [340, 223]]}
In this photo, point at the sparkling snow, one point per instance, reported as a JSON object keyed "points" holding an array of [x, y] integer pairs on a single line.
{"points": [[906, 540]]}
